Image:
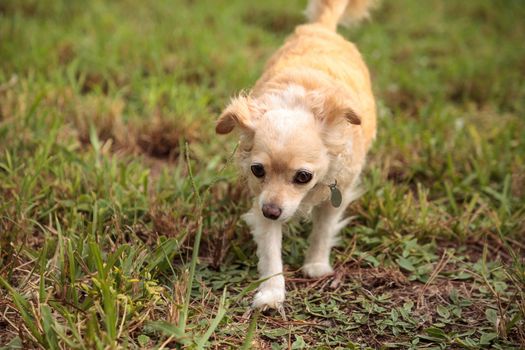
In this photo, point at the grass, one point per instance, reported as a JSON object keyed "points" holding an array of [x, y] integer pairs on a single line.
{"points": [[103, 206]]}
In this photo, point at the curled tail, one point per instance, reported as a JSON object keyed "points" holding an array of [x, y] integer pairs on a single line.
{"points": [[330, 13]]}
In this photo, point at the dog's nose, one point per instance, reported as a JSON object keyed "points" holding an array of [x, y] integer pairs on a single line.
{"points": [[271, 211]]}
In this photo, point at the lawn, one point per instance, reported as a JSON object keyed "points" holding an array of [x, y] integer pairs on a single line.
{"points": [[120, 208]]}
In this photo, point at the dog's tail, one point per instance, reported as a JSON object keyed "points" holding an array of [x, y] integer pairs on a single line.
{"points": [[330, 13]]}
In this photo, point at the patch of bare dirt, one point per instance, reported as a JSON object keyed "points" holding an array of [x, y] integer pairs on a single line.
{"points": [[161, 138]]}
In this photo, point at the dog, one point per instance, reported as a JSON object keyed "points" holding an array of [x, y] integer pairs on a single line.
{"points": [[305, 129]]}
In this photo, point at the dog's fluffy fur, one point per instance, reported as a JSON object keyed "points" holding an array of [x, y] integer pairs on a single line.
{"points": [[312, 110]]}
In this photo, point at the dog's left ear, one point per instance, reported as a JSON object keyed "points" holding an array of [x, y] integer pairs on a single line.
{"points": [[237, 113]]}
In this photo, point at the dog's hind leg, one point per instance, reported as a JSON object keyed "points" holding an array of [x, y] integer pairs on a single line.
{"points": [[327, 222], [268, 236]]}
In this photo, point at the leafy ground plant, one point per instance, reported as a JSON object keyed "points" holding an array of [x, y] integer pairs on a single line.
{"points": [[120, 209]]}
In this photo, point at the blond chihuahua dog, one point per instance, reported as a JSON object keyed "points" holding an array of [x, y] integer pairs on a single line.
{"points": [[305, 130]]}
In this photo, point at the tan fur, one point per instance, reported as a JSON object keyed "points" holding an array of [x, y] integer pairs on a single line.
{"points": [[313, 109], [321, 60], [330, 13]]}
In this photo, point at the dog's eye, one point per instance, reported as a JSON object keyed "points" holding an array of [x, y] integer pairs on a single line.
{"points": [[258, 170], [302, 177]]}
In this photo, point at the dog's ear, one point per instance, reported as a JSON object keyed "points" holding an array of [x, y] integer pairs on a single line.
{"points": [[338, 109], [351, 116], [237, 113], [332, 107]]}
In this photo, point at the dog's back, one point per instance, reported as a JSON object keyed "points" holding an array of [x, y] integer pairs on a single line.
{"points": [[315, 56]]}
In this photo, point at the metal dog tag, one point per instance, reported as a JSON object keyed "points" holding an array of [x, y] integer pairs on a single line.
{"points": [[335, 195]]}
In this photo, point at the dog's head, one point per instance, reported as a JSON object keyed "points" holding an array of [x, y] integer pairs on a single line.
{"points": [[288, 140]]}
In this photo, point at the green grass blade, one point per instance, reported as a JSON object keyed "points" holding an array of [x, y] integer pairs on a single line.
{"points": [[196, 245], [23, 306], [47, 323], [170, 330], [250, 333], [201, 342]]}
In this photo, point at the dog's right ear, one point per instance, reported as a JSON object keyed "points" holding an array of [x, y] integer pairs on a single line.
{"points": [[237, 113]]}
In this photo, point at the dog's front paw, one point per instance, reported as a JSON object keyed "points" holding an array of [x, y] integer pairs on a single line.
{"points": [[315, 270], [269, 297]]}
